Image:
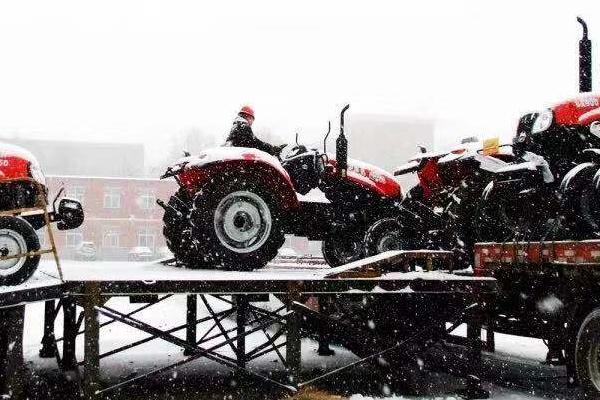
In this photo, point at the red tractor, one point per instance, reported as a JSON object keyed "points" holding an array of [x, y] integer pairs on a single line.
{"points": [[552, 189], [23, 210], [235, 204]]}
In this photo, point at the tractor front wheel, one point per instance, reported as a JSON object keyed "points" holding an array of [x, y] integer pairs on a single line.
{"points": [[17, 237], [342, 250]]}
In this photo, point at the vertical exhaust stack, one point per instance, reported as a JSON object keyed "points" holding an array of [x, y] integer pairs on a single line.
{"points": [[585, 60], [341, 147]]}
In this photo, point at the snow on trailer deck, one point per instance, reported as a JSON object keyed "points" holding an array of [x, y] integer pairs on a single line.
{"points": [[90, 285], [164, 277]]}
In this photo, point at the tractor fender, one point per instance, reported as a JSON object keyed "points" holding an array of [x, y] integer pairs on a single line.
{"points": [[596, 180], [576, 177], [235, 162]]}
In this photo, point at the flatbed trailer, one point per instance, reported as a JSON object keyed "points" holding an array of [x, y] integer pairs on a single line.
{"points": [[549, 290], [387, 279]]}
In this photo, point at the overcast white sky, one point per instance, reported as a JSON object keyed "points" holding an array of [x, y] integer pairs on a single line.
{"points": [[142, 71]]}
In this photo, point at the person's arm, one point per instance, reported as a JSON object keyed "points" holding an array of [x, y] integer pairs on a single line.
{"points": [[248, 139]]}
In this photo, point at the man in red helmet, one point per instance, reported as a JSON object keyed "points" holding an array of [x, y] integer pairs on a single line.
{"points": [[241, 134]]}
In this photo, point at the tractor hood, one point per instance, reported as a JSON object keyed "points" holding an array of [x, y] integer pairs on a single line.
{"points": [[369, 177], [579, 111], [17, 162]]}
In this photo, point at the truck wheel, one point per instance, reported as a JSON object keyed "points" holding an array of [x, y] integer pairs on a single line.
{"points": [[237, 224], [177, 230], [385, 235], [17, 236], [587, 353], [342, 250]]}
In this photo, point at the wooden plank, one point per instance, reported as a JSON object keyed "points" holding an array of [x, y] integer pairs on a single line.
{"points": [[91, 341], [389, 261], [190, 320], [293, 347], [69, 360], [11, 352]]}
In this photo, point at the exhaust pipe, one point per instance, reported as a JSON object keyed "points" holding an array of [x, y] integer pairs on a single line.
{"points": [[585, 60], [341, 147]]}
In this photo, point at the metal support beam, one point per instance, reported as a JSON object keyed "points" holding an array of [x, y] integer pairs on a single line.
{"points": [[11, 352], [241, 320], [48, 340], [69, 359], [191, 316], [102, 325], [197, 350], [490, 339], [293, 349], [91, 300], [219, 324]]}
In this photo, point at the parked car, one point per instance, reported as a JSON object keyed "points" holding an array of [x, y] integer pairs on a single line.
{"points": [[86, 251], [140, 253]]}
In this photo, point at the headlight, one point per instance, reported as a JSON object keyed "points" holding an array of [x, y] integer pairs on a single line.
{"points": [[542, 122]]}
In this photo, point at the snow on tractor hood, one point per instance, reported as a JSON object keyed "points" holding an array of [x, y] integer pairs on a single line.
{"points": [[579, 111], [222, 154], [370, 176], [17, 162]]}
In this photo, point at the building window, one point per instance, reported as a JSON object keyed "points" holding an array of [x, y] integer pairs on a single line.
{"points": [[146, 200], [76, 192], [73, 239], [112, 198], [146, 239], [111, 239]]}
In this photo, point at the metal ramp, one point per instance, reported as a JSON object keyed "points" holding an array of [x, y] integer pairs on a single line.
{"points": [[221, 334]]}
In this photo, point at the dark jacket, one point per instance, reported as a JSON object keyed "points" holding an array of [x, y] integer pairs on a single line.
{"points": [[241, 135]]}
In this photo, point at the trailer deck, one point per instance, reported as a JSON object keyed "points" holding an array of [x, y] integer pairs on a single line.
{"points": [[390, 276]]}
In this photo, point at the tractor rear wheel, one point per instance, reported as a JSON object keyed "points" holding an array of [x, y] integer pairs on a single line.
{"points": [[587, 353], [177, 230], [237, 224]]}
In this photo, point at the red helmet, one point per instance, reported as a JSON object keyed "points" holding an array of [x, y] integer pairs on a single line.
{"points": [[247, 110]]}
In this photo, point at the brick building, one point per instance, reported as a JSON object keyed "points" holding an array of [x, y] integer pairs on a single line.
{"points": [[120, 213]]}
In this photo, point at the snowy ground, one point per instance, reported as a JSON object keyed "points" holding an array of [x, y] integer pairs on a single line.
{"points": [[514, 372]]}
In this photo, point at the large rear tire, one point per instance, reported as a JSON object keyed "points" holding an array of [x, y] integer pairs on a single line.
{"points": [[237, 224], [587, 353], [178, 231], [17, 236]]}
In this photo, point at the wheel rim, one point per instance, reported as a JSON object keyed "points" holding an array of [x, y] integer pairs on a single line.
{"points": [[594, 364], [389, 242], [345, 251], [243, 221], [11, 244]]}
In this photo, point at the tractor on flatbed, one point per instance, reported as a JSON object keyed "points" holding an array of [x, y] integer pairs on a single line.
{"points": [[235, 204], [23, 210]]}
